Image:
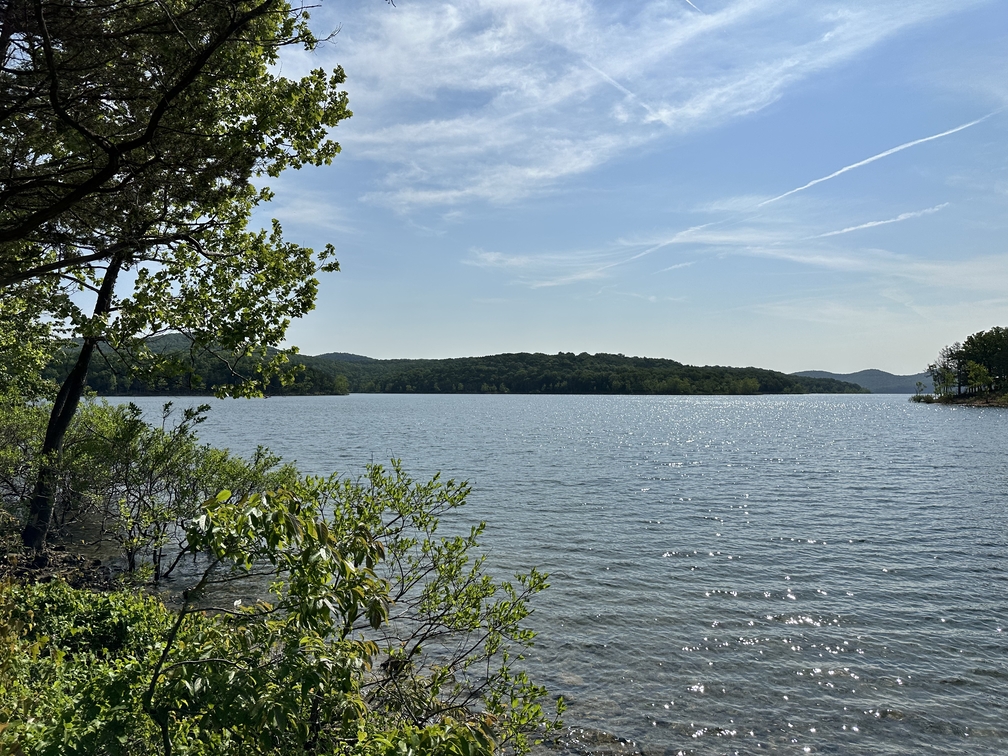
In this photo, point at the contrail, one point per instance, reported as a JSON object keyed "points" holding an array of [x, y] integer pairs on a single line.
{"points": [[621, 88], [611, 80], [655, 247], [897, 219], [694, 7], [676, 266], [873, 158]]}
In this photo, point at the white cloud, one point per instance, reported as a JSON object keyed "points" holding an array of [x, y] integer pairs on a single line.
{"points": [[987, 273], [484, 259], [496, 100], [304, 208]]}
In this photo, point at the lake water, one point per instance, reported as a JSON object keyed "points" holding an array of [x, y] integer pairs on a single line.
{"points": [[799, 574]]}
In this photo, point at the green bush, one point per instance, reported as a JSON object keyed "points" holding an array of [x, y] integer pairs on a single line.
{"points": [[379, 637], [134, 485]]}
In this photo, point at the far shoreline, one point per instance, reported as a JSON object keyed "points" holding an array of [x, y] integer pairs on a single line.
{"points": [[989, 400]]}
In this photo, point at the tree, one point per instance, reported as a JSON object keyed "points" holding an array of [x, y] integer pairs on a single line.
{"points": [[979, 363], [942, 378], [990, 350], [978, 378], [951, 358], [132, 135], [948, 370]]}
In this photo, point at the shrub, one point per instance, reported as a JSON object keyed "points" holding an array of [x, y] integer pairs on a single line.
{"points": [[378, 637]]}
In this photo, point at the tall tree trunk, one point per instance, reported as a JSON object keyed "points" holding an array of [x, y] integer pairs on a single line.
{"points": [[40, 508]]}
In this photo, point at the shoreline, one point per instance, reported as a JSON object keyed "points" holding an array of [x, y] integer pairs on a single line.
{"points": [[981, 401]]}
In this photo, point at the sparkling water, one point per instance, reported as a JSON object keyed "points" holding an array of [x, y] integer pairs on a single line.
{"points": [[796, 574]]}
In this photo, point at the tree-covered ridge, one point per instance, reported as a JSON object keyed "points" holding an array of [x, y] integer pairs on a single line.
{"points": [[876, 381], [569, 373], [520, 373], [186, 372]]}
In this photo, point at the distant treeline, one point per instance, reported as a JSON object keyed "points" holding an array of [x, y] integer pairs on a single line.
{"points": [[567, 373], [198, 374], [522, 373]]}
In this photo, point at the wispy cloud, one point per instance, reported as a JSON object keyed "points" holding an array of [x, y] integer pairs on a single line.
{"points": [[982, 274], [484, 259], [573, 266], [873, 158], [495, 101], [873, 224], [308, 209]]}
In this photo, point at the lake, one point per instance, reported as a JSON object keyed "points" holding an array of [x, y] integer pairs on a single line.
{"points": [[792, 574]]}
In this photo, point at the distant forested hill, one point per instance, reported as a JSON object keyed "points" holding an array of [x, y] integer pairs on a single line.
{"points": [[195, 374], [568, 373], [522, 373], [876, 381], [344, 357]]}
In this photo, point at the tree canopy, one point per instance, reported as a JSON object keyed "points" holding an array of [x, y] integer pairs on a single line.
{"points": [[135, 140], [978, 364], [105, 104], [133, 135]]}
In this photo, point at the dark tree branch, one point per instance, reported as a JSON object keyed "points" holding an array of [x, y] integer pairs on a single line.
{"points": [[115, 152]]}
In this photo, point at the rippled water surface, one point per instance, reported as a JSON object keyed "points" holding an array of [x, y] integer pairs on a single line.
{"points": [[821, 574]]}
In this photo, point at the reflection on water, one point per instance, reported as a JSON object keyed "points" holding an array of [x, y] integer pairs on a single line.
{"points": [[729, 574]]}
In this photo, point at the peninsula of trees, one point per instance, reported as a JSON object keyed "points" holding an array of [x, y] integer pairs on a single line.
{"points": [[974, 371]]}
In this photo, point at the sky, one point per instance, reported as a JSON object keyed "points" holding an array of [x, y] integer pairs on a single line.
{"points": [[794, 185]]}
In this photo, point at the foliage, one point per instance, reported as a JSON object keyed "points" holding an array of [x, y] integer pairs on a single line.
{"points": [[978, 377], [28, 343], [989, 350], [145, 483], [380, 637], [22, 425], [134, 141], [947, 371], [978, 364], [104, 100]]}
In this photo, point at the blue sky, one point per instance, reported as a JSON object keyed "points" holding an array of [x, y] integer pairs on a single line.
{"points": [[578, 176]]}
